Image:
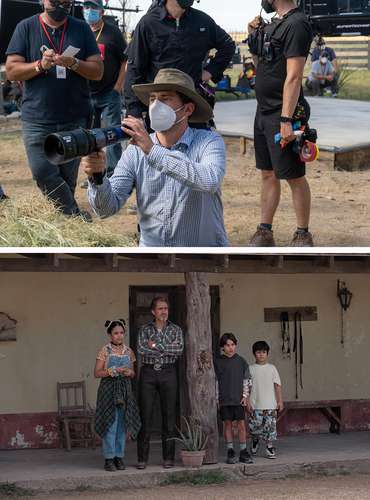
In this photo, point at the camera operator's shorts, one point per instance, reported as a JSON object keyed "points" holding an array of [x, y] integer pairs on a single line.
{"points": [[232, 413], [286, 163]]}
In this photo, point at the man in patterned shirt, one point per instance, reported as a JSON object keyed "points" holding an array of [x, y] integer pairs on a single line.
{"points": [[160, 344], [177, 172]]}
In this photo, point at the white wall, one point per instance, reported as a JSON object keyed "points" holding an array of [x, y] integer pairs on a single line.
{"points": [[61, 326]]}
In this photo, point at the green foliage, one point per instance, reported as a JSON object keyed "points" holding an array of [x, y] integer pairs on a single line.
{"points": [[193, 437], [199, 478]]}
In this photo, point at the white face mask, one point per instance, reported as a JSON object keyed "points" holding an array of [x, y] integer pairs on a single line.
{"points": [[163, 117]]}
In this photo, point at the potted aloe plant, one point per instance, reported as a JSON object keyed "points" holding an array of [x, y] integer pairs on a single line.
{"points": [[194, 440]]}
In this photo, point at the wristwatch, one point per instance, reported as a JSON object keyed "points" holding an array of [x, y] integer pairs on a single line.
{"points": [[75, 64], [286, 119]]}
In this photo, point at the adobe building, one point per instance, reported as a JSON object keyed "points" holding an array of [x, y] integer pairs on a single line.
{"points": [[53, 309]]}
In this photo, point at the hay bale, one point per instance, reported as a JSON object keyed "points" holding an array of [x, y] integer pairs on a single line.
{"points": [[34, 221]]}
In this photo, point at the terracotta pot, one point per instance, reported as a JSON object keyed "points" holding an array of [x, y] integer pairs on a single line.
{"points": [[193, 459]]}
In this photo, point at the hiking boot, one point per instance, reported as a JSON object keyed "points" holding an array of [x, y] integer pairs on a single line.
{"points": [[254, 447], [118, 462], [245, 457], [302, 239], [262, 238], [231, 457], [270, 452], [168, 464], [4, 197], [109, 465], [141, 465]]}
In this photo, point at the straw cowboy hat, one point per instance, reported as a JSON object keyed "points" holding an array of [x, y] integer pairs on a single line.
{"points": [[177, 81]]}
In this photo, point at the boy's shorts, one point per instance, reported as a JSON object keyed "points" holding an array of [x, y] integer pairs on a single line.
{"points": [[232, 413], [262, 424], [286, 163]]}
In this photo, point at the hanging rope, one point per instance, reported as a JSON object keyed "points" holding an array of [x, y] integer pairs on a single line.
{"points": [[285, 334], [298, 351]]}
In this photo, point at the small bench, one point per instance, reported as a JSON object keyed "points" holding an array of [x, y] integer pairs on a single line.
{"points": [[331, 409]]}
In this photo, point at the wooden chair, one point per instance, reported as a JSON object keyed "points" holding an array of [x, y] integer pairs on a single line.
{"points": [[76, 420]]}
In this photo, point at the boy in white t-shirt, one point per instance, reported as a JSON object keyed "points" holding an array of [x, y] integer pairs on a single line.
{"points": [[265, 400]]}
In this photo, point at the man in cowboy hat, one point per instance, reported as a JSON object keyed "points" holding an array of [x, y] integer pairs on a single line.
{"points": [[177, 171]]}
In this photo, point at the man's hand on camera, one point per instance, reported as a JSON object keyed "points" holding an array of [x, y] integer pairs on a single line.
{"points": [[135, 128], [253, 25], [287, 134], [94, 163], [48, 59]]}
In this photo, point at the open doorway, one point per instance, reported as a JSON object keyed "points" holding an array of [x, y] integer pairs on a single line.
{"points": [[140, 298]]}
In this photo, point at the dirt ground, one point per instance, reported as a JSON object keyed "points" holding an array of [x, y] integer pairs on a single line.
{"points": [[354, 487], [340, 200]]}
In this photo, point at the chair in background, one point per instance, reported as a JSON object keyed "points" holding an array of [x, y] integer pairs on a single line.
{"points": [[76, 420]]}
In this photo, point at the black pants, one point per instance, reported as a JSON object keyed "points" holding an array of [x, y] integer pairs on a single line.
{"points": [[163, 382]]}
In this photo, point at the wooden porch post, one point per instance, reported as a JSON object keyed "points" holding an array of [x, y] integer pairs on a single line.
{"points": [[199, 357]]}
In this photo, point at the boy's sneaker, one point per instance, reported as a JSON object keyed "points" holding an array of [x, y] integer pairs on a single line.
{"points": [[231, 457], [254, 447], [245, 457], [270, 452]]}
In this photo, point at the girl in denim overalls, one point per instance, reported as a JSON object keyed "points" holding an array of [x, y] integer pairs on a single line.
{"points": [[116, 409]]}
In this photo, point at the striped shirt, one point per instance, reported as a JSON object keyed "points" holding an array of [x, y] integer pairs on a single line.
{"points": [[178, 190], [169, 343]]}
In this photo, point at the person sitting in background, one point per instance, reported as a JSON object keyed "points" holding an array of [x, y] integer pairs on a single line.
{"points": [[322, 75], [322, 47]]}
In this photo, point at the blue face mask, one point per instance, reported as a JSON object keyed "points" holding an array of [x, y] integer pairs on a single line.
{"points": [[92, 16]]}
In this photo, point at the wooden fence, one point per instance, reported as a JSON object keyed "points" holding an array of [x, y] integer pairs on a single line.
{"points": [[353, 52]]}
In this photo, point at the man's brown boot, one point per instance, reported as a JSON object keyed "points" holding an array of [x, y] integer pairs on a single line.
{"points": [[302, 239], [262, 238]]}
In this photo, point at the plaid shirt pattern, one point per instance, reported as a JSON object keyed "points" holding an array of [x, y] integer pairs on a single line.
{"points": [[178, 191], [169, 344]]}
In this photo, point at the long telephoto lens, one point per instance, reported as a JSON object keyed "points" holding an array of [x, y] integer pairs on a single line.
{"points": [[63, 147]]}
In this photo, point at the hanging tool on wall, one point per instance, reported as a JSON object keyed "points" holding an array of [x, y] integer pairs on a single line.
{"points": [[285, 334], [298, 351]]}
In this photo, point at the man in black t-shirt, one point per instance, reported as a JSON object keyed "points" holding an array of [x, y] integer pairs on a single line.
{"points": [[106, 94], [56, 93], [280, 63]]}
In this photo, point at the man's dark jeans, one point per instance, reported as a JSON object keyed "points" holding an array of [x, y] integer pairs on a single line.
{"points": [[57, 182], [107, 107], [163, 382]]}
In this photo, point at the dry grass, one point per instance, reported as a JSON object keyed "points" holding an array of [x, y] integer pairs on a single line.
{"points": [[340, 206], [33, 221]]}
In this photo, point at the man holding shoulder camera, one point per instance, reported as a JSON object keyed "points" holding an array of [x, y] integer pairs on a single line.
{"points": [[280, 50], [177, 172]]}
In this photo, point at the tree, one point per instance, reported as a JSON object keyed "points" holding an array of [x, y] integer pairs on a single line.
{"points": [[199, 356]]}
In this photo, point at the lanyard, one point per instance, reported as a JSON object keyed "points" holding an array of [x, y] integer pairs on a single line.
{"points": [[49, 37], [101, 29]]}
